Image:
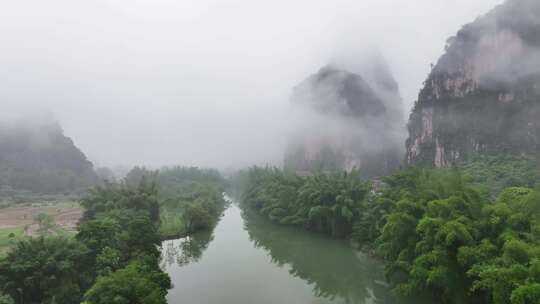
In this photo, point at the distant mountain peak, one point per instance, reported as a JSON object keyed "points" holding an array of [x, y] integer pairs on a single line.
{"points": [[332, 90], [346, 120], [35, 155]]}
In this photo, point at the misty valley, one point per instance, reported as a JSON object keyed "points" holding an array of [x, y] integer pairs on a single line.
{"points": [[122, 186]]}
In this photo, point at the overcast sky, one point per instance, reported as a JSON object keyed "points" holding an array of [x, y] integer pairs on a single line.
{"points": [[202, 82]]}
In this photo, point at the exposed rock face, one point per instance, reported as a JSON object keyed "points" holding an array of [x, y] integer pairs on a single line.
{"points": [[347, 120], [483, 95], [36, 156]]}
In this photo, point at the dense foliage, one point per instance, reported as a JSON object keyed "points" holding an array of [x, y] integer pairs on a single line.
{"points": [[198, 208], [497, 172], [174, 182], [324, 203], [138, 282], [113, 259], [120, 229], [190, 198], [439, 233], [442, 235], [44, 270]]}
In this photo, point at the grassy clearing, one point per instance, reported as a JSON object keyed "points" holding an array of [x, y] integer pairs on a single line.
{"points": [[8, 237], [172, 224]]}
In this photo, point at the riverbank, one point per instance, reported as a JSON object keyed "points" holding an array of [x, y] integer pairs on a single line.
{"points": [[183, 217], [437, 232], [248, 259]]}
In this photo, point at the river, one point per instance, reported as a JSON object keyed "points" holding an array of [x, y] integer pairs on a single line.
{"points": [[248, 260]]}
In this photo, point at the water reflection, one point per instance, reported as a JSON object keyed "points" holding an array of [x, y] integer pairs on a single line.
{"points": [[186, 250], [247, 259], [335, 270], [191, 248]]}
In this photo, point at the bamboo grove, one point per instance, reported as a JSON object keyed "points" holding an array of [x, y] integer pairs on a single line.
{"points": [[439, 234]]}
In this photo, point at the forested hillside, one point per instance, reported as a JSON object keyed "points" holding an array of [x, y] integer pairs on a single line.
{"points": [[36, 156]]}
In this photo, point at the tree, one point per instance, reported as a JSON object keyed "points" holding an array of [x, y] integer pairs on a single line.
{"points": [[327, 203], [196, 217], [45, 223], [39, 270], [108, 261], [137, 283]]}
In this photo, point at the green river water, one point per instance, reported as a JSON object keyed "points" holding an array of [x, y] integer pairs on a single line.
{"points": [[249, 260]]}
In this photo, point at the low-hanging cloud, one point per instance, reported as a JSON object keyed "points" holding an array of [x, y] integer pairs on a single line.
{"points": [[201, 82], [345, 120]]}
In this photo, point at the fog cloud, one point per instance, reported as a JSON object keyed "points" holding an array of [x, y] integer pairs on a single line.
{"points": [[203, 82]]}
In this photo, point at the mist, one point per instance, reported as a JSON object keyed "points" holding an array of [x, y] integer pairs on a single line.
{"points": [[203, 83]]}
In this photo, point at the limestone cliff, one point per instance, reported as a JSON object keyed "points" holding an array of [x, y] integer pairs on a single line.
{"points": [[347, 120], [483, 95]]}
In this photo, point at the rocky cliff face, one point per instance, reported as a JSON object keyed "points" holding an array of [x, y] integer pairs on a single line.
{"points": [[483, 95], [347, 120], [36, 156]]}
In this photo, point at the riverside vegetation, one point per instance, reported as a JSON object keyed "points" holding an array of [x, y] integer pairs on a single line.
{"points": [[190, 198], [114, 257], [441, 233]]}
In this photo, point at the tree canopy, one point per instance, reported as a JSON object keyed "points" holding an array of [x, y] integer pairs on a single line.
{"points": [[440, 232]]}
